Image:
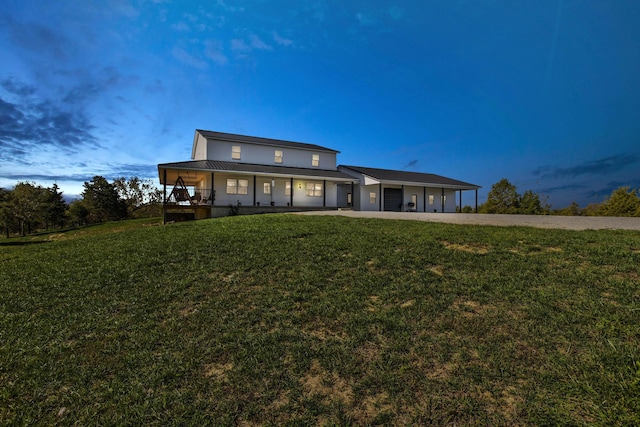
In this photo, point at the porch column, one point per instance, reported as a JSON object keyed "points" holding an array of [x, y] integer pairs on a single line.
{"points": [[402, 200], [424, 198], [164, 196], [291, 193], [324, 193], [442, 201], [164, 191], [254, 190], [476, 200], [213, 191], [460, 201], [352, 196], [380, 199]]}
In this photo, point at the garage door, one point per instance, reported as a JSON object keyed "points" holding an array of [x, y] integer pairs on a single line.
{"points": [[393, 199]]}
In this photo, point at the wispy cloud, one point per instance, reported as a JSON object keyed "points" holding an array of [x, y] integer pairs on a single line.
{"points": [[601, 166], [605, 190], [365, 19], [213, 51], [181, 27], [411, 164], [37, 39], [257, 43], [254, 43], [281, 40], [28, 124], [186, 58]]}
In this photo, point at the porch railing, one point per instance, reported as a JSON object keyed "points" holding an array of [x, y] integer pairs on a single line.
{"points": [[190, 196]]}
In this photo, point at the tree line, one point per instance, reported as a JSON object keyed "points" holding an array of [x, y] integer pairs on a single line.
{"points": [[503, 198], [30, 207]]}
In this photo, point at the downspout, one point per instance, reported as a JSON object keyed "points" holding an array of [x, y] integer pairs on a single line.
{"points": [[442, 201]]}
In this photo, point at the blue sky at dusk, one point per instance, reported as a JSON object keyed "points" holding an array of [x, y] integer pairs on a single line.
{"points": [[545, 93]]}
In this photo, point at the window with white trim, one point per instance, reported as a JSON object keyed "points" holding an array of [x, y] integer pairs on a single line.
{"points": [[315, 160], [287, 188], [313, 189], [278, 156], [237, 186], [431, 199], [235, 152], [372, 198], [267, 188]]}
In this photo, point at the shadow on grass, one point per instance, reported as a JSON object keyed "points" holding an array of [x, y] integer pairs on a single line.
{"points": [[23, 243]]}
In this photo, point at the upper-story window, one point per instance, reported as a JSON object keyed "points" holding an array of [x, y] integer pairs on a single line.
{"points": [[235, 152], [278, 156], [315, 160]]}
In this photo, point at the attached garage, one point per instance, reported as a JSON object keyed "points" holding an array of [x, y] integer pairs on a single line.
{"points": [[403, 191]]}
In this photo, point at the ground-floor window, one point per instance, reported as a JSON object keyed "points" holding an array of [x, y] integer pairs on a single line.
{"points": [[237, 186], [314, 190], [372, 198], [431, 199], [267, 188], [287, 188]]}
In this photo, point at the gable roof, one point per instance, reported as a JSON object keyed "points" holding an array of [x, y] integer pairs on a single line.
{"points": [[262, 141], [405, 177], [255, 169]]}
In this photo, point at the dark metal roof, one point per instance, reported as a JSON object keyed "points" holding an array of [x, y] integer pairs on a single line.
{"points": [[412, 177], [249, 168], [263, 141]]}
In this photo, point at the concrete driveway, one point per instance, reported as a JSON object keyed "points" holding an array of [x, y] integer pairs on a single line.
{"points": [[539, 221]]}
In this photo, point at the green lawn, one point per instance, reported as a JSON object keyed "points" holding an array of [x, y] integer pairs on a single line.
{"points": [[281, 319]]}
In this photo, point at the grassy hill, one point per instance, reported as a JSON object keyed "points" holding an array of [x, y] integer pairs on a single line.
{"points": [[279, 319]]}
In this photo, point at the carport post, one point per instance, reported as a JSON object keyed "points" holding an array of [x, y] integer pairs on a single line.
{"points": [[476, 200], [460, 201], [424, 198]]}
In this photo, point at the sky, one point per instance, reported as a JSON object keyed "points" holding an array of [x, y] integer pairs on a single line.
{"points": [[545, 93]]}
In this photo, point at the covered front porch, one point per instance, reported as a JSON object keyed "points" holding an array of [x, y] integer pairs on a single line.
{"points": [[197, 193]]}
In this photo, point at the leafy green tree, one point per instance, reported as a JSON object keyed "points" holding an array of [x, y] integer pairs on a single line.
{"points": [[622, 202], [502, 198], [8, 221], [572, 210], [103, 201], [140, 195], [54, 207], [26, 204], [78, 212], [530, 204]]}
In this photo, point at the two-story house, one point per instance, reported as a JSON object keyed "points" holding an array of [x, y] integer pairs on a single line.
{"points": [[231, 173]]}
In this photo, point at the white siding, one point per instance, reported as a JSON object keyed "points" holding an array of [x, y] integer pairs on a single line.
{"points": [[265, 155], [365, 199], [200, 148]]}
